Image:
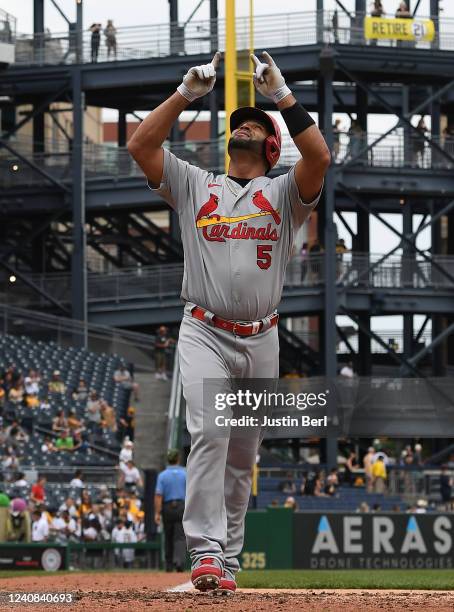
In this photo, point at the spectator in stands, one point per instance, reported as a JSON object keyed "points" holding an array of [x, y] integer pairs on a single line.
{"points": [[3, 435], [421, 506], [319, 485], [347, 370], [95, 30], [93, 412], [130, 476], [110, 32], [417, 455], [351, 465], [32, 401], [69, 506], [2, 396], [89, 531], [124, 533], [38, 492], [80, 393], [356, 141], [403, 12], [446, 483], [126, 453], [169, 499], [10, 464], [78, 442], [332, 483], [60, 422], [16, 435], [290, 502], [363, 507], [379, 475], [108, 416], [288, 486], [56, 385], [376, 507], [64, 441], [140, 527], [161, 345], [16, 393], [45, 404], [31, 383], [418, 143], [74, 424], [40, 526], [68, 531], [47, 446], [85, 505], [124, 378], [18, 525], [368, 460], [337, 131], [78, 481], [376, 10], [127, 424]]}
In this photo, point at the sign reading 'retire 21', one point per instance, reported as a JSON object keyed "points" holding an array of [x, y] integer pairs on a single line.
{"points": [[373, 541], [399, 29]]}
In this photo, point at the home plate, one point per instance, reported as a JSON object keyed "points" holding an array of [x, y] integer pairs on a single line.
{"points": [[181, 588]]}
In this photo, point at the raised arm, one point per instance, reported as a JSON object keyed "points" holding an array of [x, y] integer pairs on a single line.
{"points": [[145, 146], [310, 170]]}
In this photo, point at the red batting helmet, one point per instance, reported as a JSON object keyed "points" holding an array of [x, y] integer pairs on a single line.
{"points": [[273, 143]]}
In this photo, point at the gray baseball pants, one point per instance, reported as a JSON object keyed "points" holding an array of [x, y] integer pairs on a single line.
{"points": [[219, 470]]}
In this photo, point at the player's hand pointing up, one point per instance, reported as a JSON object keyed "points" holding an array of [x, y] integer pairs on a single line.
{"points": [[199, 80], [268, 79]]}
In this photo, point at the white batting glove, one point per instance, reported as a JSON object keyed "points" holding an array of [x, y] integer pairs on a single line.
{"points": [[268, 79], [199, 80]]}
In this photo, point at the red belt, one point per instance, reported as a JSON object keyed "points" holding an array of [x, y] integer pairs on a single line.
{"points": [[239, 329]]}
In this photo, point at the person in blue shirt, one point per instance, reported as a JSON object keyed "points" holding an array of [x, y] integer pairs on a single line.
{"points": [[169, 502]]}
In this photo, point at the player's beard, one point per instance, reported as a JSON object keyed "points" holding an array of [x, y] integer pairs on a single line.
{"points": [[246, 144]]}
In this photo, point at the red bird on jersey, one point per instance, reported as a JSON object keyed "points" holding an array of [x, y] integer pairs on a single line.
{"points": [[208, 208], [261, 202]]}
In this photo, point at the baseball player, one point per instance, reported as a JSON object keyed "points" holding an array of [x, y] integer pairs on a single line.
{"points": [[237, 232]]}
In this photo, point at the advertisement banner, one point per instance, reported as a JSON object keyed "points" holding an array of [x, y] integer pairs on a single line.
{"points": [[48, 557], [373, 541], [399, 29]]}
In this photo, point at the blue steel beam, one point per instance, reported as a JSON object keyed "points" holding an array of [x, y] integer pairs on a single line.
{"points": [[295, 302]]}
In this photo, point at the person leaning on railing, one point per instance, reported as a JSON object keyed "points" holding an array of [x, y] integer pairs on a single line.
{"points": [[376, 10]]}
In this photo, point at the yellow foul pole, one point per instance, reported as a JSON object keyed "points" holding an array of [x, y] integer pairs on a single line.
{"points": [[233, 76], [231, 92]]}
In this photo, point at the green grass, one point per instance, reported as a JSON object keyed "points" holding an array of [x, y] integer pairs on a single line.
{"points": [[437, 579]]}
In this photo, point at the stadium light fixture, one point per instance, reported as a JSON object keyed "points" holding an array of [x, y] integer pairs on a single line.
{"points": [[15, 168], [12, 278]]}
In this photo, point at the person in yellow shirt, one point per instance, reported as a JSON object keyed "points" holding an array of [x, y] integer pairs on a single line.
{"points": [[379, 475]]}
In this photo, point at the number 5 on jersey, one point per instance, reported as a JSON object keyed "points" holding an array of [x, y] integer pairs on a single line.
{"points": [[264, 256]]}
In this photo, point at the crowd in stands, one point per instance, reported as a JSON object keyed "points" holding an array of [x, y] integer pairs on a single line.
{"points": [[88, 513]]}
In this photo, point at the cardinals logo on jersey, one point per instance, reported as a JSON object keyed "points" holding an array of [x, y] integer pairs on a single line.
{"points": [[207, 208], [261, 202], [217, 228]]}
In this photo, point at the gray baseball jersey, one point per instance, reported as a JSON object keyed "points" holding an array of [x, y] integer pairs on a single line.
{"points": [[237, 241]]}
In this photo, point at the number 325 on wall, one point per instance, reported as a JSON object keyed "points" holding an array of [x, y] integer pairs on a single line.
{"points": [[253, 560]]}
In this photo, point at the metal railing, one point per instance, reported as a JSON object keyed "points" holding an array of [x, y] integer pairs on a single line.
{"points": [[199, 37], [102, 161], [394, 338], [357, 271]]}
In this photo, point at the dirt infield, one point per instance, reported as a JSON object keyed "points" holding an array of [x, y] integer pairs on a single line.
{"points": [[148, 591]]}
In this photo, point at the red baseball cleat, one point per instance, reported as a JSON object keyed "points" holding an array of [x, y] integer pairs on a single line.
{"points": [[206, 574], [227, 584]]}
